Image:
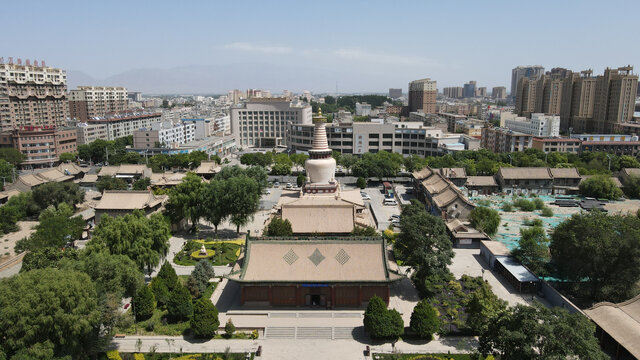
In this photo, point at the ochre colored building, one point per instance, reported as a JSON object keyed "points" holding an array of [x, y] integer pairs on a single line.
{"points": [[317, 273]]}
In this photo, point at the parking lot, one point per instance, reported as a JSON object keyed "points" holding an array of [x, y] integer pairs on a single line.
{"points": [[382, 212]]}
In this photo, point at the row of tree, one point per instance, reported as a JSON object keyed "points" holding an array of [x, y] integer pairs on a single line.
{"points": [[234, 194]]}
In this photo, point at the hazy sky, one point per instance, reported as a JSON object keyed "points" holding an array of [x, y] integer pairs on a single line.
{"points": [[396, 41]]}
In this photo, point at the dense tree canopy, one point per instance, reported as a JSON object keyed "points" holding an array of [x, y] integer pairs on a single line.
{"points": [[424, 320], [483, 306], [46, 257], [185, 200], [485, 219], [525, 332], [111, 183], [204, 322], [599, 251], [12, 156], [533, 249], [279, 227], [380, 322], [56, 228], [51, 308], [54, 193], [632, 187], [600, 186], [144, 240], [423, 242]]}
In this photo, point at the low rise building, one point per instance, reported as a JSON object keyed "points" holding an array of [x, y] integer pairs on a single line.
{"points": [[525, 180], [124, 124], [501, 140], [538, 125], [481, 185], [363, 109], [89, 133], [164, 134], [41, 146], [442, 197], [119, 202], [452, 120], [617, 327], [557, 144], [565, 180]]}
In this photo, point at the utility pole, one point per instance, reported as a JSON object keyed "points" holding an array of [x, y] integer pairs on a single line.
{"points": [[107, 152]]}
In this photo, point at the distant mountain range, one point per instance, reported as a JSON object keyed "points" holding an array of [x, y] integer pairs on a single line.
{"points": [[218, 79]]}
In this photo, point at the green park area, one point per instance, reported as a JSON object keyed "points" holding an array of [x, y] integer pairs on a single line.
{"points": [[115, 355], [219, 253]]}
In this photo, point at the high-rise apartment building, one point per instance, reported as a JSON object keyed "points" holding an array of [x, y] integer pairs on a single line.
{"points": [[524, 71], [32, 95], [481, 92], [263, 122], [422, 95], [88, 102], [469, 89], [585, 103], [395, 93], [454, 92], [499, 92]]}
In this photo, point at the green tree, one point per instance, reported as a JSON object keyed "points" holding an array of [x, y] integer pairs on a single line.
{"points": [[179, 305], [115, 274], [482, 308], [632, 187], [600, 186], [485, 219], [7, 172], [142, 184], [300, 180], [424, 320], [111, 183], [347, 161], [299, 160], [45, 257], [533, 249], [364, 231], [279, 227], [414, 163], [185, 200], [160, 292], [144, 240], [68, 157], [12, 156], [202, 273], [49, 307], [381, 323], [204, 322], [281, 169], [214, 206], [229, 328], [361, 183], [56, 228], [54, 193], [599, 251], [168, 274], [423, 242], [243, 197], [525, 332], [144, 303]]}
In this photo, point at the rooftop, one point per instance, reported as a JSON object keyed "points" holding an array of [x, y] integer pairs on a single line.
{"points": [[621, 321], [129, 200], [516, 269]]}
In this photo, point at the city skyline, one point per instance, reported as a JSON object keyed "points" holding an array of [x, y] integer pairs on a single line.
{"points": [[150, 46]]}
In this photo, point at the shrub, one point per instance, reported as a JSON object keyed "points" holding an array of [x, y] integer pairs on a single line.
{"points": [[507, 207], [539, 203], [254, 335], [547, 212], [524, 205], [533, 222], [279, 227], [179, 305], [300, 180], [424, 320], [361, 182], [600, 186], [144, 303], [204, 322], [113, 355], [379, 322], [229, 328]]}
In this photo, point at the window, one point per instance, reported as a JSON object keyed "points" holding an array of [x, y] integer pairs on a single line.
{"points": [[374, 136]]}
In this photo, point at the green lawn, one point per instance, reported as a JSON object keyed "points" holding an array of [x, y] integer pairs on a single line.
{"points": [[225, 253], [158, 328]]}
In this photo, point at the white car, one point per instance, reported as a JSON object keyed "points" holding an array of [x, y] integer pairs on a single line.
{"points": [[267, 192], [289, 186], [276, 184], [365, 196], [391, 202]]}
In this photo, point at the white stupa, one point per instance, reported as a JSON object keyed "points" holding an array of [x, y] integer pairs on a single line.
{"points": [[321, 207], [321, 166]]}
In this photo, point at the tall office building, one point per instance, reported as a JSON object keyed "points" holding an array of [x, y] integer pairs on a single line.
{"points": [[89, 102], [481, 92], [263, 122], [499, 92], [422, 95], [395, 93], [524, 71], [32, 95], [469, 89]]}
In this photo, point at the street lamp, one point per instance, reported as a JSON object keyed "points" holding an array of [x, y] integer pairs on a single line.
{"points": [[609, 157]]}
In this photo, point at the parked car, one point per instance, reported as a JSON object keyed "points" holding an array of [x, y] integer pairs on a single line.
{"points": [[365, 196], [388, 201], [395, 223], [276, 184], [289, 186], [394, 217], [268, 192]]}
